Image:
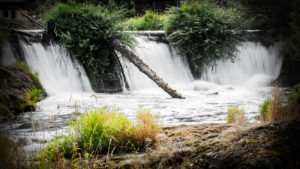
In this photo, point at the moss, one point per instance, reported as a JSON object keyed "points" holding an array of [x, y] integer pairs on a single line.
{"points": [[252, 141], [268, 153]]}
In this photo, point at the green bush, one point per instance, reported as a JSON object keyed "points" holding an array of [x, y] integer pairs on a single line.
{"points": [[150, 21], [89, 31], [204, 32], [235, 115]]}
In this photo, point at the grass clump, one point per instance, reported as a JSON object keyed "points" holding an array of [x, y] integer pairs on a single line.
{"points": [[149, 21], [146, 128], [235, 115], [103, 131], [265, 111], [98, 130]]}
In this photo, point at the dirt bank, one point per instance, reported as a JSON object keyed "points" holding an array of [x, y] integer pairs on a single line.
{"points": [[216, 146]]}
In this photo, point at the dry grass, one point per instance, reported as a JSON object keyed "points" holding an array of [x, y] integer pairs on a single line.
{"points": [[147, 127], [277, 104], [274, 108]]}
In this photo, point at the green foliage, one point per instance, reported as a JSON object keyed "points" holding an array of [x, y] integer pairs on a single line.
{"points": [[22, 65], [34, 95], [204, 32], [37, 92], [103, 131], [89, 31], [265, 110], [14, 103], [149, 21], [235, 115]]}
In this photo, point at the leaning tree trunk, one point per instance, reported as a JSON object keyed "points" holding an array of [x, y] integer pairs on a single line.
{"points": [[145, 69]]}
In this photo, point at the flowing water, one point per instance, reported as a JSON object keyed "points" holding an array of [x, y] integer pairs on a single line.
{"points": [[245, 82]]}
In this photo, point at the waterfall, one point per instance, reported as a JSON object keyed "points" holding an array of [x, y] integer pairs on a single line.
{"points": [[162, 58], [57, 70], [254, 66]]}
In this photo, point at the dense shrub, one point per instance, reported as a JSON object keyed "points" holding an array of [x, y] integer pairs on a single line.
{"points": [[204, 32], [150, 21], [103, 131], [89, 31]]}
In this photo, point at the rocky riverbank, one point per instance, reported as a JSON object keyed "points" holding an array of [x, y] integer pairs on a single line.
{"points": [[20, 90], [216, 146]]}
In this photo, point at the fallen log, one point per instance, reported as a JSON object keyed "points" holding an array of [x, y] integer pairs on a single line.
{"points": [[145, 69], [33, 21]]}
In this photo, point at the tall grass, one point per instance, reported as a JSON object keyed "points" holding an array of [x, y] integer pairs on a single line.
{"points": [[146, 128], [274, 108], [235, 115], [103, 131]]}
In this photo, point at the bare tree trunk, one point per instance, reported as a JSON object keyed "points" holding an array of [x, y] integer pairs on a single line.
{"points": [[145, 69]]}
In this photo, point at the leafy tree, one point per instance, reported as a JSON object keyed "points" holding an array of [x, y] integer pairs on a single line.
{"points": [[204, 32], [88, 31]]}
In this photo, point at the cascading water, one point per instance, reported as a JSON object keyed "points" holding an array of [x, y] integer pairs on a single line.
{"points": [[58, 72], [207, 99], [255, 66], [160, 57]]}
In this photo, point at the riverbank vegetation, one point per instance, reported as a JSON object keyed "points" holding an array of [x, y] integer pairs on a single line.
{"points": [[106, 132], [20, 90]]}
